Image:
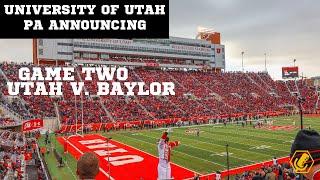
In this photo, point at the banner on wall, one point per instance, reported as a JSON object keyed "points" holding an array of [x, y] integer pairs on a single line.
{"points": [[33, 124]]}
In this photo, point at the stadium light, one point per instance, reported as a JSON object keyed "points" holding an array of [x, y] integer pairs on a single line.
{"points": [[242, 53]]}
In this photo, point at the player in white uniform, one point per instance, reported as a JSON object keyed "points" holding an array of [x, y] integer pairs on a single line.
{"points": [[164, 149]]}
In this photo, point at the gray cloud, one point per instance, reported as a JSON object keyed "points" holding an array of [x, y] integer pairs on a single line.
{"points": [[18, 50], [285, 29]]}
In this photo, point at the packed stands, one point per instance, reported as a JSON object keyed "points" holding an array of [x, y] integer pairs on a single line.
{"points": [[17, 154], [5, 122], [11, 155], [199, 95], [280, 171], [26, 106], [310, 95]]}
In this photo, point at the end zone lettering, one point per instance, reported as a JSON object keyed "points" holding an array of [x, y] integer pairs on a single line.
{"points": [[123, 160], [100, 147]]}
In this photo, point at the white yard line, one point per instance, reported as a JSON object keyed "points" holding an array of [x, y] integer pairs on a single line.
{"points": [[251, 152], [176, 127], [75, 177], [218, 126], [152, 155], [180, 152], [266, 143], [206, 149], [241, 143]]}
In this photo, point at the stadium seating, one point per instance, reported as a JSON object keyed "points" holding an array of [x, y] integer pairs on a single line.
{"points": [[40, 106], [16, 149], [281, 171], [199, 95], [5, 122], [310, 93], [11, 154]]}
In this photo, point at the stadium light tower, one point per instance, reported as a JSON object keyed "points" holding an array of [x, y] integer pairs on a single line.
{"points": [[242, 53]]}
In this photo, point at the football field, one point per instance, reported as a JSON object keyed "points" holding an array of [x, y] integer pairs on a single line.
{"points": [[206, 153]]}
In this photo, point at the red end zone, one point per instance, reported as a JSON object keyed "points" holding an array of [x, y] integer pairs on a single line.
{"points": [[126, 162]]}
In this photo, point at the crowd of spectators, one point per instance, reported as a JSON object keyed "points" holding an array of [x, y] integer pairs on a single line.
{"points": [[12, 147], [26, 106], [17, 152], [274, 172], [12, 103], [5, 122], [198, 94]]}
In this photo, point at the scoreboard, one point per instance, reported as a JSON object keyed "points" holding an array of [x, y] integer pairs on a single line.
{"points": [[290, 72]]}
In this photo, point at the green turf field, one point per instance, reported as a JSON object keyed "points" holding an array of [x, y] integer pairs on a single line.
{"points": [[206, 153]]}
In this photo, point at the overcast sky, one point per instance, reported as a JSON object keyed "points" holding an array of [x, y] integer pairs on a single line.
{"points": [[284, 29]]}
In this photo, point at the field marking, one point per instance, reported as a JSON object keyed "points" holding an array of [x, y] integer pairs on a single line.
{"points": [[202, 125], [204, 149], [66, 162], [289, 141], [222, 154], [261, 147], [250, 152], [136, 134], [253, 141], [243, 150], [236, 157], [283, 135], [176, 151], [258, 134], [246, 151], [279, 144], [105, 173], [155, 156]]}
